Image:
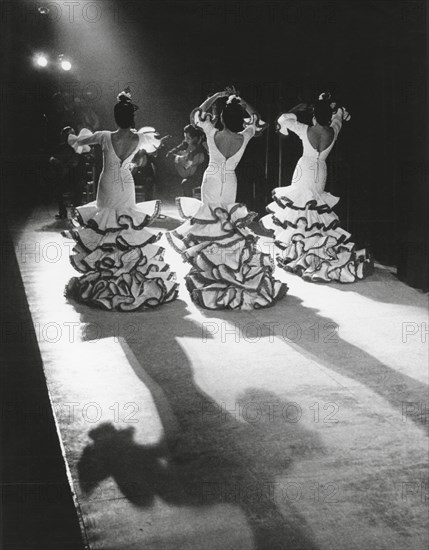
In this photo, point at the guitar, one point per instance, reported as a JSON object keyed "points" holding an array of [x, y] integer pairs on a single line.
{"points": [[181, 163]]}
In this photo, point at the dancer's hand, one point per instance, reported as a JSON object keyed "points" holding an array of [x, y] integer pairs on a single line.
{"points": [[346, 114], [325, 96]]}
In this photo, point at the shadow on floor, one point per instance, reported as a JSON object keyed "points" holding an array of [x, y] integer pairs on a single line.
{"points": [[318, 337], [384, 286], [211, 457]]}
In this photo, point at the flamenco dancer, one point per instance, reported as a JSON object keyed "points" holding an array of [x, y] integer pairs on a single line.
{"points": [[306, 230], [227, 269], [123, 269]]}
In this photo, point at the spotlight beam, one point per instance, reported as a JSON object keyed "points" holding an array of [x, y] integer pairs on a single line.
{"points": [[66, 65], [41, 60]]}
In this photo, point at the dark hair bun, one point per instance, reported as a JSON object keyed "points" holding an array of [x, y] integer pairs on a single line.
{"points": [[233, 115], [323, 112], [124, 110], [124, 97], [234, 101]]}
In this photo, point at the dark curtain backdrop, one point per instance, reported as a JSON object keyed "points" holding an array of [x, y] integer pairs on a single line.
{"points": [[371, 54]]}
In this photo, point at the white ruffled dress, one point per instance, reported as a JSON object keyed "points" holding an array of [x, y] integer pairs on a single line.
{"points": [[306, 229], [228, 268], [123, 267]]}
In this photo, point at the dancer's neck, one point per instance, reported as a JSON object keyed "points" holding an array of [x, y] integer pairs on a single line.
{"points": [[227, 131], [123, 131], [319, 127]]}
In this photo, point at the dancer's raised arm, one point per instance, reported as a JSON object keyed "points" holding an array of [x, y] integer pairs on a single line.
{"points": [[248, 108], [301, 107], [205, 105], [204, 121], [256, 122], [341, 115]]}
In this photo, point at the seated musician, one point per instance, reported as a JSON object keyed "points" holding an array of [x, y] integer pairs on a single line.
{"points": [[190, 162]]}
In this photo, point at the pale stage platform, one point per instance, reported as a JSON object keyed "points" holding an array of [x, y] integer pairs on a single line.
{"points": [[303, 426]]}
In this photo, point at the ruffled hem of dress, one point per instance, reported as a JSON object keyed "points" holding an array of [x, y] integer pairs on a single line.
{"points": [[129, 292], [113, 237], [298, 197], [324, 258], [227, 269], [123, 269], [311, 243], [135, 217], [306, 220]]}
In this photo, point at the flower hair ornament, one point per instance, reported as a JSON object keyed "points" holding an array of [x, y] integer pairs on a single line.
{"points": [[125, 97], [326, 96], [232, 97]]}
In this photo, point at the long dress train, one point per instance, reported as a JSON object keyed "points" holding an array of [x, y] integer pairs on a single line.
{"points": [[123, 267], [306, 229], [228, 268]]}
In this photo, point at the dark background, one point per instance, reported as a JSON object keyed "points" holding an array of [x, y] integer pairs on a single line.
{"points": [[371, 54]]}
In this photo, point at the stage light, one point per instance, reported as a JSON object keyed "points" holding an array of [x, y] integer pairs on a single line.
{"points": [[44, 10], [41, 60], [66, 65]]}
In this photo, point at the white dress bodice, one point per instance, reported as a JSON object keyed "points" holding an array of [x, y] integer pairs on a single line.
{"points": [[220, 181], [116, 185], [310, 170]]}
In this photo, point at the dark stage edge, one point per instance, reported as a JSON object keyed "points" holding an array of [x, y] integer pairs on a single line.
{"points": [[37, 507]]}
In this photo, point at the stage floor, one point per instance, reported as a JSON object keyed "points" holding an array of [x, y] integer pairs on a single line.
{"points": [[303, 426]]}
